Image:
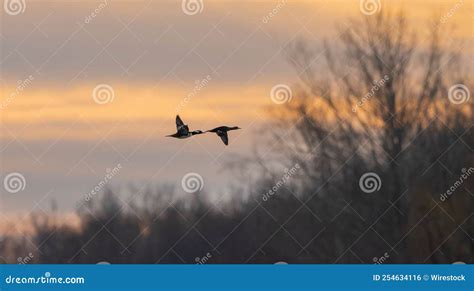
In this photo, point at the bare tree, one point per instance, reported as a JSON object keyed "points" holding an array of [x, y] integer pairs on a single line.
{"points": [[380, 105]]}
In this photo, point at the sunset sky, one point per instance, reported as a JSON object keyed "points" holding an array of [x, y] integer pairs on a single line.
{"points": [[153, 55]]}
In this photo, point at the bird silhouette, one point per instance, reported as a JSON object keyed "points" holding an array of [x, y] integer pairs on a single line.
{"points": [[221, 131], [182, 130]]}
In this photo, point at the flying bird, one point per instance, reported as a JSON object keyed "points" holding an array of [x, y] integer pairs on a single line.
{"points": [[221, 131], [182, 130]]}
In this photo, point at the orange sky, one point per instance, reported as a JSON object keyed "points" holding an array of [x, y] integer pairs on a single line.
{"points": [[152, 54], [147, 94]]}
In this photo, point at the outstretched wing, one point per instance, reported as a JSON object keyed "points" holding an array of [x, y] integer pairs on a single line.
{"points": [[223, 136], [180, 126], [179, 122]]}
